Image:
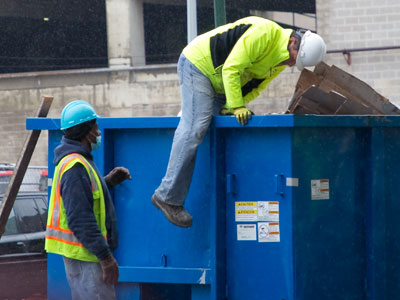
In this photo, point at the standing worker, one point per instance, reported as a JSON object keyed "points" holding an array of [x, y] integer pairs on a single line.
{"points": [[226, 68], [81, 223]]}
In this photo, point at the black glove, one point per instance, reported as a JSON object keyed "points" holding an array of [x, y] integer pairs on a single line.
{"points": [[110, 270], [117, 175]]}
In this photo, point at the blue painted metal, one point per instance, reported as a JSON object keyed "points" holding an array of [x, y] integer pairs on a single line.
{"points": [[256, 155], [345, 247], [128, 291], [330, 251]]}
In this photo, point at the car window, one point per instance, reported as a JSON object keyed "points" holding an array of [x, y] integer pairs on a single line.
{"points": [[42, 205], [5, 177], [11, 226], [28, 216]]}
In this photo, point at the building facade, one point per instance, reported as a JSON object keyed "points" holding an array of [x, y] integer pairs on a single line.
{"points": [[138, 77]]}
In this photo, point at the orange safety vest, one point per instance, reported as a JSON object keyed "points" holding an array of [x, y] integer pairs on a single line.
{"points": [[59, 238]]}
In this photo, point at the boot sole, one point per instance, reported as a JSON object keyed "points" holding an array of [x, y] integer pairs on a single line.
{"points": [[158, 206]]}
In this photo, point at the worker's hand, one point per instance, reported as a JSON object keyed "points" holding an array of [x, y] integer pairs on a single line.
{"points": [[117, 175], [243, 114], [110, 270]]}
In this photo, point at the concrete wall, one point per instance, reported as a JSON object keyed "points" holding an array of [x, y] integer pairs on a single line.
{"points": [[125, 33], [154, 90], [130, 92], [353, 24]]}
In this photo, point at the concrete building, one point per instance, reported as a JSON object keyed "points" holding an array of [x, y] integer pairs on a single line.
{"points": [[131, 83]]}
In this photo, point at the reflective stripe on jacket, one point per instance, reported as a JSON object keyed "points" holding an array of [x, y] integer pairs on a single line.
{"points": [[241, 58], [59, 238]]}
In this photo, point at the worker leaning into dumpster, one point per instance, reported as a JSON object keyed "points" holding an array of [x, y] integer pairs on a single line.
{"points": [[81, 224], [220, 72]]}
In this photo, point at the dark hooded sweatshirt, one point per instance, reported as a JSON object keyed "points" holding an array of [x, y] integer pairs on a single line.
{"points": [[77, 196]]}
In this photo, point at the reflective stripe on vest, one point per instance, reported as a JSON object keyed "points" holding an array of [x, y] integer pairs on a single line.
{"points": [[54, 231]]}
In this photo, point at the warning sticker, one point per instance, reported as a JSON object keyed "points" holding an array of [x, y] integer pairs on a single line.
{"points": [[268, 232], [320, 189], [245, 211], [268, 211], [246, 232]]}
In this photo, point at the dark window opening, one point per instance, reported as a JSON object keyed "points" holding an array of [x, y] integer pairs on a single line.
{"points": [[165, 34], [11, 226], [165, 25], [52, 35]]}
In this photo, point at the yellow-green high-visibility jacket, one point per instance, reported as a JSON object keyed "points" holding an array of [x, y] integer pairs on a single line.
{"points": [[240, 58], [59, 238]]}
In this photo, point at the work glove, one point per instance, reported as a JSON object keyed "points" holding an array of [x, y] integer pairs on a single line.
{"points": [[243, 114], [110, 269], [117, 175]]}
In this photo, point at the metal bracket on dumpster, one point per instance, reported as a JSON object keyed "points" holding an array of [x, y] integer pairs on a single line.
{"points": [[279, 184], [164, 260], [231, 184]]}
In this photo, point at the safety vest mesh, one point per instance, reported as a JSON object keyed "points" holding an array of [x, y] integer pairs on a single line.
{"points": [[59, 238]]}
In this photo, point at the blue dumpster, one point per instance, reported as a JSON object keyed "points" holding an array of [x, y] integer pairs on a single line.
{"points": [[286, 208]]}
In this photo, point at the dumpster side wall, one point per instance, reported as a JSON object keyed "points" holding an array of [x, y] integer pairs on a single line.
{"points": [[329, 212]]}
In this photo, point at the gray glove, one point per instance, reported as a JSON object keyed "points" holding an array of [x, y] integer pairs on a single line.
{"points": [[117, 175], [110, 270]]}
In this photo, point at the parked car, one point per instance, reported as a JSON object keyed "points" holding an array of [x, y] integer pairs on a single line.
{"points": [[6, 166], [23, 263]]}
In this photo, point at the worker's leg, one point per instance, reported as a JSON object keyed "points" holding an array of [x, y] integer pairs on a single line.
{"points": [[85, 280], [197, 110]]}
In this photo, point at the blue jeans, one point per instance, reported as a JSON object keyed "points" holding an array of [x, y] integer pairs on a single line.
{"points": [[85, 280], [199, 104]]}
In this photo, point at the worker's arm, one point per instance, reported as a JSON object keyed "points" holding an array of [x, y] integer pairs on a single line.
{"points": [[248, 50], [255, 92], [76, 191]]}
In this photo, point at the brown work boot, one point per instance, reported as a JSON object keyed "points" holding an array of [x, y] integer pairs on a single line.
{"points": [[175, 214]]}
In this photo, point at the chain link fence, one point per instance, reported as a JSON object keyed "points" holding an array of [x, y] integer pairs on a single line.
{"points": [[35, 179]]}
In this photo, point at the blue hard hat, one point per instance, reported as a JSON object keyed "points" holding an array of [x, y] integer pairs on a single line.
{"points": [[75, 113]]}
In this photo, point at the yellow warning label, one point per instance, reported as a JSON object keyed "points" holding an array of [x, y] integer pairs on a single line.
{"points": [[245, 203], [246, 212]]}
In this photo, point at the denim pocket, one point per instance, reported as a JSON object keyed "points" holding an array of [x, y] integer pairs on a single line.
{"points": [[72, 267]]}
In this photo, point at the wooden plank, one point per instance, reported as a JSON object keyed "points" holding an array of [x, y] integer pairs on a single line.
{"points": [[321, 69], [306, 107], [293, 102], [316, 101], [324, 105], [21, 166], [330, 102], [337, 92], [328, 85], [300, 110], [305, 81], [350, 107], [355, 89]]}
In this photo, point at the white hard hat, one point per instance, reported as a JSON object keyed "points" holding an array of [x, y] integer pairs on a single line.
{"points": [[312, 50]]}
